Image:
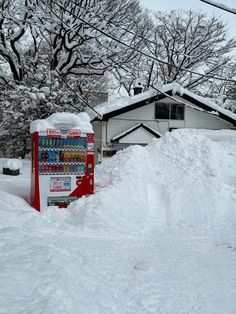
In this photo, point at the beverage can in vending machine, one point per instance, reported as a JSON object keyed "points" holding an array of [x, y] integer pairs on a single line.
{"points": [[60, 156], [42, 141], [56, 158]]}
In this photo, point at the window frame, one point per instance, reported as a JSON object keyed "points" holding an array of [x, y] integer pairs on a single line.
{"points": [[170, 111]]}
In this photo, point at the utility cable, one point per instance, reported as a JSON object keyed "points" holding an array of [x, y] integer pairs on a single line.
{"points": [[134, 34], [77, 95], [219, 6], [138, 50]]}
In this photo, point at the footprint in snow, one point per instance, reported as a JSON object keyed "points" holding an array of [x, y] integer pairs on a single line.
{"points": [[142, 266]]}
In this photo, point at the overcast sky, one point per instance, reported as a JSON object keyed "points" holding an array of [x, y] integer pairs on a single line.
{"points": [[196, 5]]}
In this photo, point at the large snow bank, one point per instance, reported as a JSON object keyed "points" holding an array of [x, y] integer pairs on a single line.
{"points": [[160, 193], [182, 178], [217, 135], [63, 119]]}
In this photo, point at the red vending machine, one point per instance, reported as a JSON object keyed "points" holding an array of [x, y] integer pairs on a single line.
{"points": [[62, 149]]}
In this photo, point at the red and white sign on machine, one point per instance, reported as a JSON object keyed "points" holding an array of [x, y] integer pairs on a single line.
{"points": [[62, 148]]}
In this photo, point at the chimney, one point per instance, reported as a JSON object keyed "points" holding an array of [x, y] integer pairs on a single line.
{"points": [[137, 87]]}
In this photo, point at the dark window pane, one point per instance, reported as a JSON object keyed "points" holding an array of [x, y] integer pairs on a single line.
{"points": [[177, 112], [162, 111]]}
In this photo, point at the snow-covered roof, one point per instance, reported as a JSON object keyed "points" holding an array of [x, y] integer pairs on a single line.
{"points": [[118, 103], [114, 107], [79, 121], [135, 127], [177, 89]]}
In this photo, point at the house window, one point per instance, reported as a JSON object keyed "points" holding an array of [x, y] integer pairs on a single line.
{"points": [[169, 111], [177, 112], [162, 111]]}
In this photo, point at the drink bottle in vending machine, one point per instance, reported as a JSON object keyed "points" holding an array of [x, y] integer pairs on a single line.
{"points": [[62, 163]]}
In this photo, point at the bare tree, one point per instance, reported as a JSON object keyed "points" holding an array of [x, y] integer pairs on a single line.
{"points": [[188, 40], [135, 64], [183, 46]]}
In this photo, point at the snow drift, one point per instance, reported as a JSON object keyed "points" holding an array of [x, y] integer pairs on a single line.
{"points": [[83, 260], [182, 178]]}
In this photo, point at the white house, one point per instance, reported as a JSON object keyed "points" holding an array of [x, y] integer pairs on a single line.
{"points": [[136, 120]]}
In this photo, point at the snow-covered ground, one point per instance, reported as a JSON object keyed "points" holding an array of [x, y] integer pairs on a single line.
{"points": [[158, 235]]}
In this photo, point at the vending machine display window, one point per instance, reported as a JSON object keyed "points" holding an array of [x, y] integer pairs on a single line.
{"points": [[62, 155]]}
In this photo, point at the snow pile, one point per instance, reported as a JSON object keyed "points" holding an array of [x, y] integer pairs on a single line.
{"points": [[176, 88], [63, 119], [183, 178], [157, 261], [218, 135], [13, 164]]}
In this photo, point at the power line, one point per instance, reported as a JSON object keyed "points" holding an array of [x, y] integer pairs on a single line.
{"points": [[167, 95], [141, 37], [77, 95], [136, 49], [219, 6]]}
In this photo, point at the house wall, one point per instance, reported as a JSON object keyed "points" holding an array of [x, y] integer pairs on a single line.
{"points": [[193, 119], [201, 120], [99, 139], [129, 119], [145, 114]]}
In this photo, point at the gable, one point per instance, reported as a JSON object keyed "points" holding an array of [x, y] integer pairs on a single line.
{"points": [[116, 106], [221, 112], [135, 106], [138, 134]]}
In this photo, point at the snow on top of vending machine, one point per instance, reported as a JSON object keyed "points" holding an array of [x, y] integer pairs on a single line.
{"points": [[59, 120]]}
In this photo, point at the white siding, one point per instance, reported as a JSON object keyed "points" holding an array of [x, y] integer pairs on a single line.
{"points": [[139, 136], [99, 133], [166, 125], [125, 121], [202, 120], [97, 128], [143, 113]]}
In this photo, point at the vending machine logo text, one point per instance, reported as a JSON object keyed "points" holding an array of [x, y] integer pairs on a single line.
{"points": [[73, 133], [53, 133]]}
